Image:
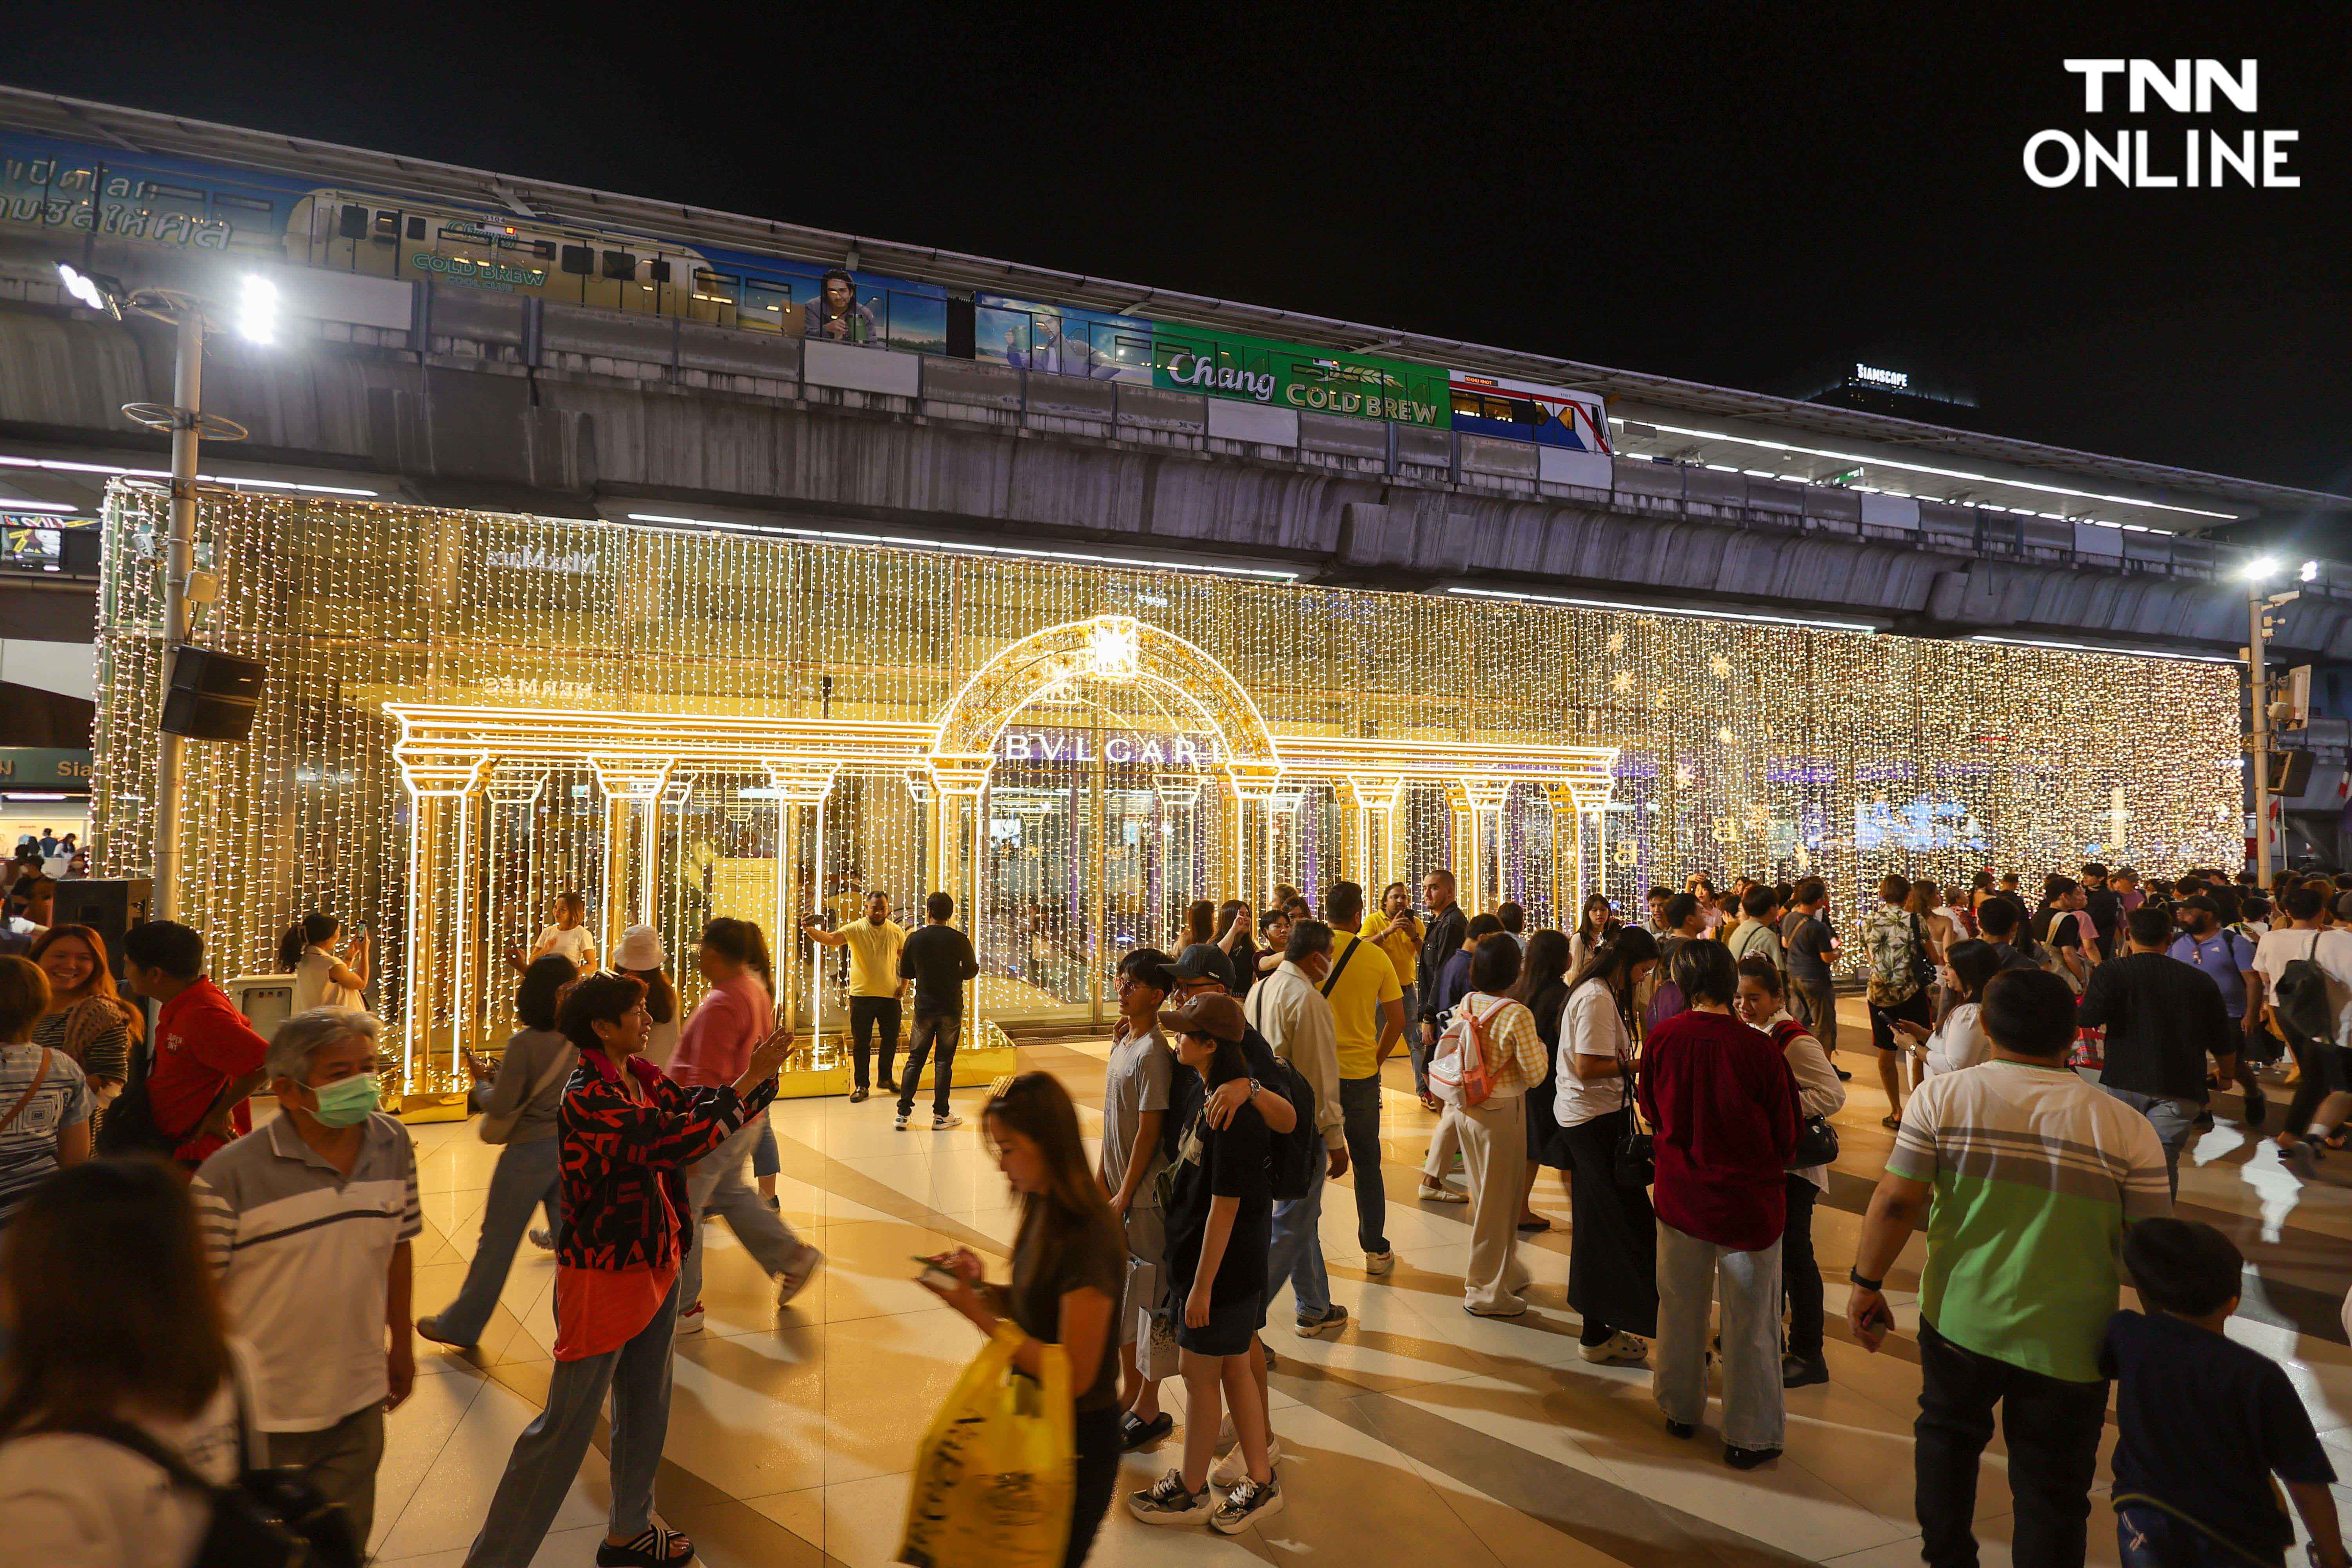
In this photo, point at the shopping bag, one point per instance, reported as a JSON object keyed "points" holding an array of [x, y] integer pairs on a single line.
{"points": [[993, 1475]]}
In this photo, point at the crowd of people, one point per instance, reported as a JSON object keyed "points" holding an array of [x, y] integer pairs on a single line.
{"points": [[2046, 1063]]}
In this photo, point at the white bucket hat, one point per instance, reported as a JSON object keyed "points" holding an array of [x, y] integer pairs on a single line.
{"points": [[640, 947]]}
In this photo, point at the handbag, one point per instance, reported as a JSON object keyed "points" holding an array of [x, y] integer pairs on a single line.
{"points": [[1634, 1161], [498, 1129], [1817, 1140], [40, 1075]]}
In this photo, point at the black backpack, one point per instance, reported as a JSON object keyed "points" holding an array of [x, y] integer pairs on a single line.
{"points": [[129, 1126], [1294, 1160], [264, 1519], [2300, 1000]]}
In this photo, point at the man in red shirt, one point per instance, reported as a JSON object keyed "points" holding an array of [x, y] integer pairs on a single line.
{"points": [[207, 1059], [1724, 1110]]}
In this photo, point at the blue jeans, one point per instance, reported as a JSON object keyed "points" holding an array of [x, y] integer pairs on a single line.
{"points": [[524, 1179], [2175, 1122], [2150, 1538], [1413, 1039], [1296, 1253], [546, 1458], [765, 1159], [1360, 1102]]}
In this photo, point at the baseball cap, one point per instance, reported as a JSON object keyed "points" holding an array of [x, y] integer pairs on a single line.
{"points": [[1212, 1013], [640, 947], [1201, 961]]}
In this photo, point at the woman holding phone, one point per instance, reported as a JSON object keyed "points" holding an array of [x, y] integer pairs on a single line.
{"points": [[1069, 1267]]}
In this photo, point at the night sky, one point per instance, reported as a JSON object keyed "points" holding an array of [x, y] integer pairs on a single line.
{"points": [[1731, 195]]}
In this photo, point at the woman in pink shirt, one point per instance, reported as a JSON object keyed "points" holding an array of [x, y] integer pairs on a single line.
{"points": [[725, 1027]]}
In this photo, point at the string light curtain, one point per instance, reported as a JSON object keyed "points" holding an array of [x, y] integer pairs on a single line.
{"points": [[1770, 750]]}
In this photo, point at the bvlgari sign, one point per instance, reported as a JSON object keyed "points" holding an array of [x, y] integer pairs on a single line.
{"points": [[1068, 748]]}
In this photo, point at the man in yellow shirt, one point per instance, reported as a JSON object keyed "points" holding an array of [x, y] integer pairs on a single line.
{"points": [[1368, 1019], [876, 986]]}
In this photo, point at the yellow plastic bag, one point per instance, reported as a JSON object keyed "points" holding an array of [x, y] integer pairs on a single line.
{"points": [[993, 1475]]}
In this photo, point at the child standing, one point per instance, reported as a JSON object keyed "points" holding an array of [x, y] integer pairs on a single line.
{"points": [[2204, 1422]]}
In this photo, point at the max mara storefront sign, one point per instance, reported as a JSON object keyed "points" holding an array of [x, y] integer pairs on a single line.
{"points": [[1073, 747]]}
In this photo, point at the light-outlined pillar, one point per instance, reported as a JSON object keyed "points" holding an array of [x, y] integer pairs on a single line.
{"points": [[960, 786], [632, 789], [510, 794], [799, 787], [442, 788], [1374, 802], [1482, 804]]}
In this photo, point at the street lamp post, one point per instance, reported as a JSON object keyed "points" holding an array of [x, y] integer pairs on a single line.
{"points": [[184, 418], [2259, 625]]}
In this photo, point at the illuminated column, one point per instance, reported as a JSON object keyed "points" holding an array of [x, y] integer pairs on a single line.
{"points": [[511, 792], [1481, 801], [1255, 787], [796, 785], [1367, 796], [631, 788], [1179, 803], [1568, 871], [441, 786], [959, 828], [661, 876]]}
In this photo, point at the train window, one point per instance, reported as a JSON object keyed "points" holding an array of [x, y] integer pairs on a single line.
{"points": [[763, 304], [1526, 411], [579, 259], [714, 286], [163, 193], [352, 223], [416, 228], [621, 265], [659, 270], [388, 227]]}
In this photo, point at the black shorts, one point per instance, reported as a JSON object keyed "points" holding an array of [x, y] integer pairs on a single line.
{"points": [[1916, 1008], [1229, 1330]]}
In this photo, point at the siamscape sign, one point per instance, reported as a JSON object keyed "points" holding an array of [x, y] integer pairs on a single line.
{"points": [[44, 767], [1288, 375], [1070, 748]]}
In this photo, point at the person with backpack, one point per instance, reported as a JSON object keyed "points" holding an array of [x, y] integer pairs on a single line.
{"points": [[1447, 984], [1723, 1108], [2208, 942], [192, 1098], [1612, 1237], [1489, 1056], [1897, 992], [1289, 1008], [1220, 1212], [1820, 1096], [2307, 973], [121, 1416]]}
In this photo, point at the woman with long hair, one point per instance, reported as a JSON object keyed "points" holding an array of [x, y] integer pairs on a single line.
{"points": [[44, 1098], [1069, 1267], [87, 1019], [1612, 1240], [1233, 939], [1593, 927], [519, 1097], [322, 977], [1542, 987], [152, 1364], [639, 955], [720, 1035], [628, 1134]]}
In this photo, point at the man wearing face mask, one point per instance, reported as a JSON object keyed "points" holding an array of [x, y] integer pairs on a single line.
{"points": [[306, 1222]]}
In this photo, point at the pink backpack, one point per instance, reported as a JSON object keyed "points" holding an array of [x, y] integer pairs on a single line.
{"points": [[1458, 1068]]}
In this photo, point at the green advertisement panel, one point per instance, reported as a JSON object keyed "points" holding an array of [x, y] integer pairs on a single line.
{"points": [[1286, 376]]}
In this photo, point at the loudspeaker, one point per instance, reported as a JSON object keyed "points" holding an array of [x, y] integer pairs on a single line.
{"points": [[110, 906], [2290, 773], [212, 695]]}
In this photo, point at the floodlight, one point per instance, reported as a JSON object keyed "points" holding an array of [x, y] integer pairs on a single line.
{"points": [[256, 309]]}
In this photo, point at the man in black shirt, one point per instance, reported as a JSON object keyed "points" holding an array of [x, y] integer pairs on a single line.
{"points": [[2002, 922], [2105, 909], [2161, 1016], [1446, 929], [939, 959]]}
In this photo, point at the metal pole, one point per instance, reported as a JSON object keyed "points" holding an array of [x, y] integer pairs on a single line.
{"points": [[179, 560], [2258, 703]]}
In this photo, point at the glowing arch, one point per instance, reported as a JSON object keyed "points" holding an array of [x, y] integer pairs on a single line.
{"points": [[1116, 648]]}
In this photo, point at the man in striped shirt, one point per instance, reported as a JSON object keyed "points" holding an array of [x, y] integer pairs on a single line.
{"points": [[2034, 1173], [307, 1221]]}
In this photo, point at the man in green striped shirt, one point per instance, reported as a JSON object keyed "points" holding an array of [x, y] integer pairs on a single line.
{"points": [[2027, 1175]]}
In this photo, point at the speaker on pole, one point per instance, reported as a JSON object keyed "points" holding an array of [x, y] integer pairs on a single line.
{"points": [[212, 695]]}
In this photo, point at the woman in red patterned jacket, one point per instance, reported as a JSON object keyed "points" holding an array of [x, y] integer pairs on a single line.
{"points": [[628, 1134]]}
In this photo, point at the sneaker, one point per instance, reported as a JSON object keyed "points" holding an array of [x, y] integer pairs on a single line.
{"points": [[1439, 1193], [1166, 1501], [1380, 1265], [775, 1204], [1226, 1436], [1519, 1312], [2258, 1108], [1232, 1469], [1748, 1459], [429, 1328], [689, 1318], [1245, 1504], [1620, 1349], [1334, 1319], [901, 1121], [2303, 1158], [543, 1239], [796, 1275], [1796, 1371], [943, 1123]]}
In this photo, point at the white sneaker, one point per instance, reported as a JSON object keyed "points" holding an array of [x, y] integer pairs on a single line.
{"points": [[1439, 1193], [941, 1123], [1166, 1501], [689, 1319], [1233, 1469], [1379, 1264], [1245, 1504], [1620, 1349], [901, 1122], [796, 1275]]}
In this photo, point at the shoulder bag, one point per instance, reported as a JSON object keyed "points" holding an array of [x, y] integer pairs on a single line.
{"points": [[1817, 1140], [40, 1075], [1634, 1161], [498, 1129]]}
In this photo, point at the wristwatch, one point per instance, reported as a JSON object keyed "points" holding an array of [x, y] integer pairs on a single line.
{"points": [[1853, 1276], [1255, 1088]]}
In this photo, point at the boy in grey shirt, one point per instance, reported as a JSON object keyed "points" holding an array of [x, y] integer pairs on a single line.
{"points": [[1135, 1101]]}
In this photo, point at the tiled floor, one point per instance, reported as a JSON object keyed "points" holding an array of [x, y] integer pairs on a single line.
{"points": [[1420, 1437]]}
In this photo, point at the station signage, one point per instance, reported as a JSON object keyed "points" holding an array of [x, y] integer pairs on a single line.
{"points": [[44, 768]]}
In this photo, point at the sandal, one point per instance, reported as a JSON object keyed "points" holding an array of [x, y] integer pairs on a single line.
{"points": [[1891, 1124], [658, 1547], [1135, 1431]]}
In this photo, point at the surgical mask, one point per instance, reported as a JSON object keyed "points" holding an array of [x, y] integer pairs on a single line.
{"points": [[347, 1101]]}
